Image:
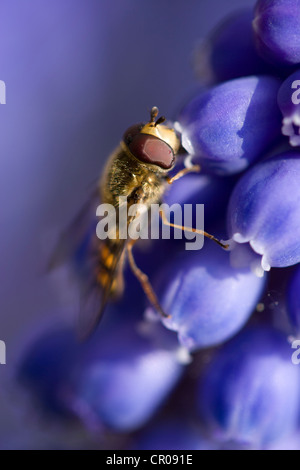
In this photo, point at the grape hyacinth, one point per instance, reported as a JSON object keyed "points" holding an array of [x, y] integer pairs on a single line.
{"points": [[217, 125], [217, 372], [214, 63], [262, 379], [117, 380], [276, 27], [264, 210], [193, 279]]}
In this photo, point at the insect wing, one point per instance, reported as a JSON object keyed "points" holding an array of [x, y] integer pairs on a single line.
{"points": [[80, 245], [75, 237], [107, 265], [95, 295]]}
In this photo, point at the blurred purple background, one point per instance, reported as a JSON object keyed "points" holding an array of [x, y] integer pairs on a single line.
{"points": [[77, 73]]}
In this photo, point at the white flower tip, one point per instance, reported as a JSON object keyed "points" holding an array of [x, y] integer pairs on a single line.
{"points": [[286, 120], [178, 127], [239, 238], [257, 269], [186, 143], [295, 140], [183, 355], [188, 161], [296, 119], [257, 247], [264, 264], [289, 128]]}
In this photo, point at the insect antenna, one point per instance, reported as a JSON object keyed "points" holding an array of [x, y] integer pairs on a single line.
{"points": [[153, 114], [160, 120]]}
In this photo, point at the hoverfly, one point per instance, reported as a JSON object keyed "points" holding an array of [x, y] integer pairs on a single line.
{"points": [[139, 170]]}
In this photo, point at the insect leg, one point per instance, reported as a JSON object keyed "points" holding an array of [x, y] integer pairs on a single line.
{"points": [[183, 172], [144, 280], [190, 229]]}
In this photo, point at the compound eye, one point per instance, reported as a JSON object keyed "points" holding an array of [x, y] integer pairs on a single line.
{"points": [[150, 149], [131, 132]]}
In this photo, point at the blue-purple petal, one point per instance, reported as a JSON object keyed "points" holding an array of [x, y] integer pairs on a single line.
{"points": [[249, 393], [207, 299], [228, 127], [264, 210], [276, 28]]}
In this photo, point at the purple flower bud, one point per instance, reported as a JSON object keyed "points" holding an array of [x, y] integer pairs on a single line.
{"points": [[289, 103], [230, 51], [276, 27], [229, 126], [293, 300], [207, 299], [117, 379], [264, 210], [249, 393]]}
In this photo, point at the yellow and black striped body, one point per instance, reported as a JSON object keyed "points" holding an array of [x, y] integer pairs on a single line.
{"points": [[125, 176]]}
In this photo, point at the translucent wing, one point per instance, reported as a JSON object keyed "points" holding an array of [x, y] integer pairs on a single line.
{"points": [[97, 263], [71, 241], [102, 284]]}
